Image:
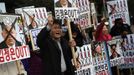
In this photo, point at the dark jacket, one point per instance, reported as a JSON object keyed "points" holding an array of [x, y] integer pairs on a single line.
{"points": [[117, 30], [51, 57], [4, 45], [57, 4], [44, 33]]}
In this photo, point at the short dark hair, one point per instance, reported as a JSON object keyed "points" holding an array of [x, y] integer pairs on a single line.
{"points": [[118, 19], [3, 26], [57, 21], [112, 45]]}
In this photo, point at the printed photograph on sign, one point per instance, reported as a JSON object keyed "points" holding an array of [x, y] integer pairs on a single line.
{"points": [[98, 53], [115, 52], [64, 3], [20, 11], [12, 40], [35, 17], [65, 8], [9, 31], [114, 47], [118, 9], [29, 18], [128, 45]]}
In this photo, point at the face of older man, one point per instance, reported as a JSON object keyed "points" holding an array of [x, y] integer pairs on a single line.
{"points": [[56, 31], [63, 2], [10, 41]]}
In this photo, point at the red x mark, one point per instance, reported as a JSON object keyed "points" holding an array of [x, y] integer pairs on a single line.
{"points": [[112, 8]]}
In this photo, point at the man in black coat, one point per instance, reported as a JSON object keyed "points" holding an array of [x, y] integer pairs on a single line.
{"points": [[63, 3], [45, 31], [56, 53]]}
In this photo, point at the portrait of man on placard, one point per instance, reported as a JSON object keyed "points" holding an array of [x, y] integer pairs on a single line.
{"points": [[114, 53], [114, 48], [63, 3], [33, 23], [9, 34]]}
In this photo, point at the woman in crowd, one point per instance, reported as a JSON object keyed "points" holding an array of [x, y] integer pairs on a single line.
{"points": [[102, 33]]}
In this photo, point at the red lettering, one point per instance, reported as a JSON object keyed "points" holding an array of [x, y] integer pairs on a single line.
{"points": [[17, 52], [7, 54], [21, 51], [13, 57], [1, 56]]}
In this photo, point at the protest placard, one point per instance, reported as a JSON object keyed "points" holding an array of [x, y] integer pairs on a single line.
{"points": [[84, 17], [35, 17], [115, 52], [85, 59], [12, 44], [100, 59], [33, 37], [118, 9], [128, 48], [65, 8]]}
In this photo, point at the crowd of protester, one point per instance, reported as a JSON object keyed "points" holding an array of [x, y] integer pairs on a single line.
{"points": [[54, 56]]}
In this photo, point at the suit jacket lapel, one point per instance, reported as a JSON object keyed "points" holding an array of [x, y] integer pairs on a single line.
{"points": [[56, 46]]}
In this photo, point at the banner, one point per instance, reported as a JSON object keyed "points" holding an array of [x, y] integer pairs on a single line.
{"points": [[84, 18], [12, 40], [65, 9], [100, 59], [84, 21], [32, 17], [85, 59], [115, 52], [2, 7], [20, 11], [83, 6], [14, 53], [85, 56], [33, 37], [35, 17], [128, 48], [118, 9]]}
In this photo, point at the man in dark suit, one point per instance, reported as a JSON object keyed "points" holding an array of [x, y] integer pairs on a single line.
{"points": [[55, 52], [9, 37], [63, 3]]}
